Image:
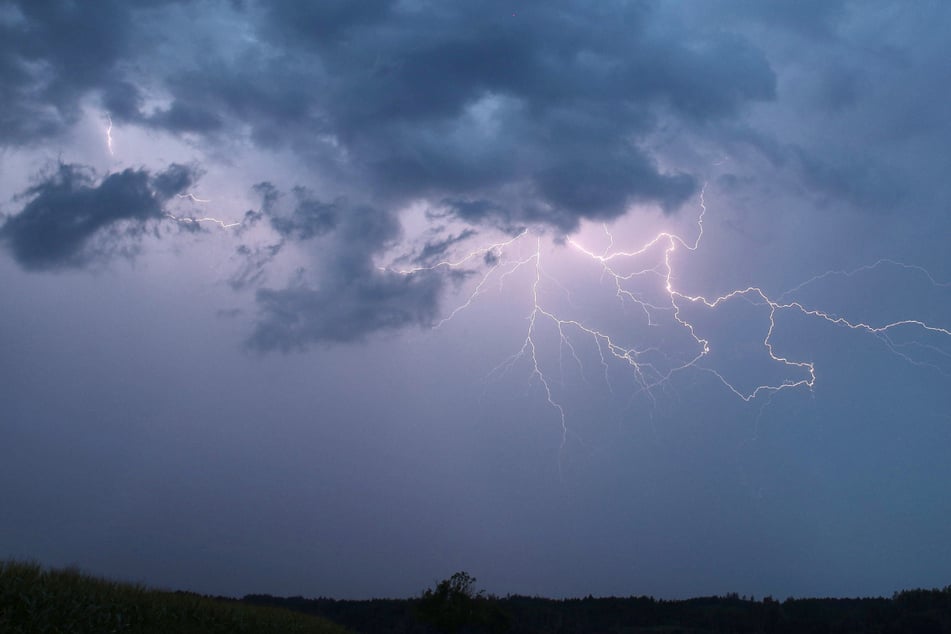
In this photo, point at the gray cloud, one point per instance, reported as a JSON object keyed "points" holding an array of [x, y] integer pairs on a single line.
{"points": [[535, 118], [543, 112], [814, 19], [354, 297], [68, 211], [184, 118], [53, 53], [309, 219], [535, 114], [863, 182], [434, 249], [346, 310]]}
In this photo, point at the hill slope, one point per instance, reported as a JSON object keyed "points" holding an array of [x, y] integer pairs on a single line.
{"points": [[66, 601]]}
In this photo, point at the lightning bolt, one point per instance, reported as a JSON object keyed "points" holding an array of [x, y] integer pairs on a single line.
{"points": [[453, 264], [193, 198], [109, 135], [867, 267], [189, 220], [192, 220], [618, 266]]}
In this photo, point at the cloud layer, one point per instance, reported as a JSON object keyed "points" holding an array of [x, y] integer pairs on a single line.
{"points": [[541, 113], [542, 110]]}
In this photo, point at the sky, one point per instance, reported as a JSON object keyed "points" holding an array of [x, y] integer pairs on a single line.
{"points": [[616, 298]]}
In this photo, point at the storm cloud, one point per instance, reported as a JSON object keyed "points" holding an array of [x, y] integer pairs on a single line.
{"points": [[355, 297], [55, 53], [71, 218], [536, 109], [548, 101], [539, 114]]}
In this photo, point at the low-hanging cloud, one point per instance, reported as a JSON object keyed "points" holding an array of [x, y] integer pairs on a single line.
{"points": [[354, 297], [69, 209]]}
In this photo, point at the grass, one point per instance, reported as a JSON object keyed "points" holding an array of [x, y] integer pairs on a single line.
{"points": [[67, 601]]}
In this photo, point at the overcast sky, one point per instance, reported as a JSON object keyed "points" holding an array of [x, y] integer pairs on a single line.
{"points": [[340, 298]]}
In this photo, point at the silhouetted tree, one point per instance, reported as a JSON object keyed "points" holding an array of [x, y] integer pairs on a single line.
{"points": [[455, 604]]}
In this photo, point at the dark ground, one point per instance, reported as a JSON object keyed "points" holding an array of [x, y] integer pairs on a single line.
{"points": [[915, 611]]}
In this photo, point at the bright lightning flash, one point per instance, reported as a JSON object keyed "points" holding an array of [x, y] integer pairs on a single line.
{"points": [[506, 257]]}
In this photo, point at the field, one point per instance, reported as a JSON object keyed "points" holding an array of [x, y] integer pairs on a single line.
{"points": [[67, 601], [37, 600]]}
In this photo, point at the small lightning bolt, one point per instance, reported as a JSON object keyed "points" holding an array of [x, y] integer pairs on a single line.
{"points": [[867, 267], [193, 198], [528, 348], [495, 248], [193, 220], [617, 266], [109, 135], [189, 220]]}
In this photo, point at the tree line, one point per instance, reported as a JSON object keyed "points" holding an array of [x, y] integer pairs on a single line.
{"points": [[455, 606]]}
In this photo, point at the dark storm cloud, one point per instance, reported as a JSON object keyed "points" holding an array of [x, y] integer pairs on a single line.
{"points": [[540, 117], [55, 52], [122, 100], [862, 182], [68, 211], [325, 22], [366, 303], [599, 186], [354, 297], [542, 108], [811, 18], [861, 120], [184, 118], [536, 113], [309, 219], [434, 249]]}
